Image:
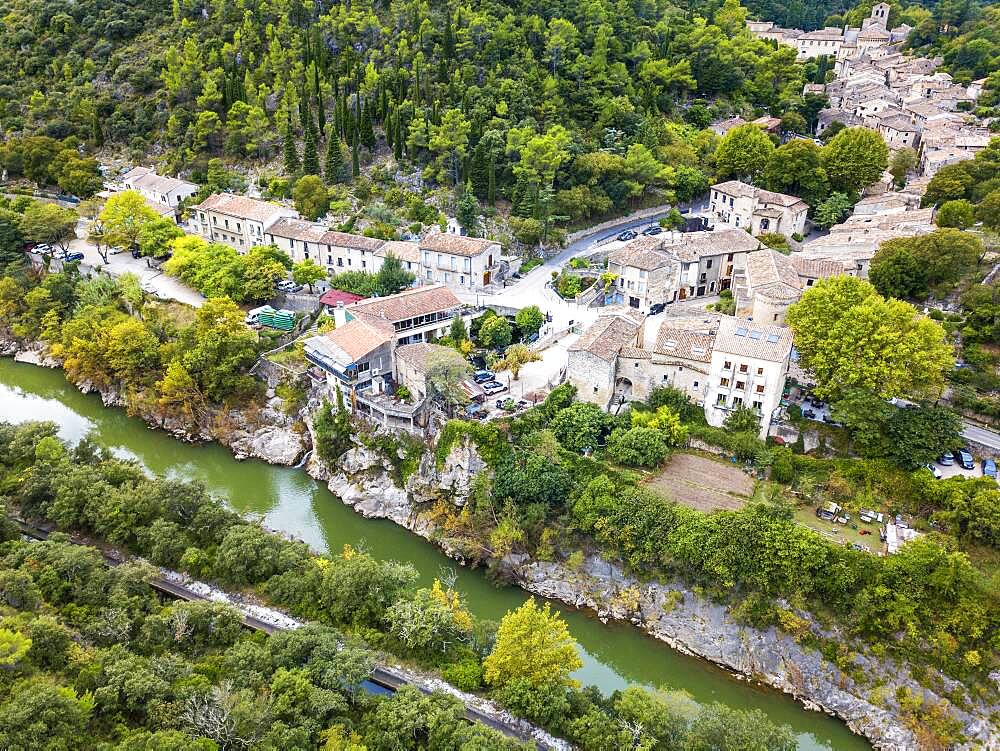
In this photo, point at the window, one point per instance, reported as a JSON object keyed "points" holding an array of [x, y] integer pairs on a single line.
{"points": [[430, 274], [595, 389], [727, 365], [744, 368], [447, 276], [724, 382], [720, 400], [708, 263], [760, 371], [454, 263], [340, 262], [666, 378], [238, 227], [467, 265], [760, 389], [737, 402], [741, 386], [461, 280], [642, 274], [775, 316], [758, 406], [227, 223], [695, 384], [765, 223]]}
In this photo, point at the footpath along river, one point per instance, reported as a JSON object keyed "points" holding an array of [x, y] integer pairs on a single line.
{"points": [[614, 656]]}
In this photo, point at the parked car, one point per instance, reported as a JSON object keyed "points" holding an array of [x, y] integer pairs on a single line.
{"points": [[626, 235], [657, 309], [870, 517], [482, 376], [531, 338], [71, 255], [934, 471], [809, 414], [946, 459], [42, 248], [652, 229], [523, 404], [475, 411], [964, 457], [493, 387], [287, 285], [828, 511], [989, 468]]}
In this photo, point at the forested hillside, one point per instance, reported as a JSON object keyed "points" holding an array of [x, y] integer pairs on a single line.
{"points": [[558, 107]]}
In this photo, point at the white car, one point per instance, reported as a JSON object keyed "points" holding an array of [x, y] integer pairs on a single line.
{"points": [[934, 471]]}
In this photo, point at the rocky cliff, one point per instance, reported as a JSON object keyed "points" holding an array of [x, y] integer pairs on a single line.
{"points": [[670, 612], [266, 433]]}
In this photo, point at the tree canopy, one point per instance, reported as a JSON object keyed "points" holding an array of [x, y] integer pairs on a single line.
{"points": [[848, 335]]}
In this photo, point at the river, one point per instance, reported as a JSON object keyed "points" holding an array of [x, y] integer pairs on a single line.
{"points": [[614, 656]]}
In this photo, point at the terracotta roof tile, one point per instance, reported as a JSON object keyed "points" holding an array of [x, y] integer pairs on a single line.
{"points": [[242, 207], [606, 337], [419, 301], [459, 245], [737, 336]]}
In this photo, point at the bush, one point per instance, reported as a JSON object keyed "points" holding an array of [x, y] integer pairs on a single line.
{"points": [[466, 675]]}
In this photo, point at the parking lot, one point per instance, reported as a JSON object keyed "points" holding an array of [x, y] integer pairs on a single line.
{"points": [[956, 471]]}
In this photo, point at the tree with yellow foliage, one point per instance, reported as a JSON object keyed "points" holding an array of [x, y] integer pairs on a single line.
{"points": [[533, 645]]}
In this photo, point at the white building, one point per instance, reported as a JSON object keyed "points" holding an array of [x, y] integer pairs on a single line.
{"points": [[738, 204], [467, 263], [748, 368], [157, 189], [720, 362], [236, 220]]}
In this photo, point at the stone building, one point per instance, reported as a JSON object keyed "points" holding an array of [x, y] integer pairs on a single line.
{"points": [[743, 206], [468, 263], [592, 361], [748, 369], [237, 221], [645, 275], [766, 287], [720, 362]]}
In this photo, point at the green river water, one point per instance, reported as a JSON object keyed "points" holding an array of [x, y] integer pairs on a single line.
{"points": [[613, 655]]}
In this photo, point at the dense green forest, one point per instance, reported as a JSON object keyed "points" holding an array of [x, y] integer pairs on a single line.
{"points": [[558, 108]]}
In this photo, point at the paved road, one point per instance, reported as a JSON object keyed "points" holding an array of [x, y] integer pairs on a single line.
{"points": [[985, 436]]}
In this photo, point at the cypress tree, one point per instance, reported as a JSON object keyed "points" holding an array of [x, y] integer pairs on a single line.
{"points": [[305, 118], [334, 166], [310, 158], [367, 131], [291, 153], [397, 142], [98, 132], [320, 107], [355, 163]]}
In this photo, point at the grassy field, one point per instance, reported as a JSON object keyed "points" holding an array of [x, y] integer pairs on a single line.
{"points": [[703, 483]]}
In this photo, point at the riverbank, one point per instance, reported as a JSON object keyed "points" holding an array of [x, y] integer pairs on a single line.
{"points": [[265, 432], [672, 613], [599, 586]]}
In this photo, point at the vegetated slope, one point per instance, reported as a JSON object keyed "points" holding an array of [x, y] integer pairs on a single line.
{"points": [[511, 96]]}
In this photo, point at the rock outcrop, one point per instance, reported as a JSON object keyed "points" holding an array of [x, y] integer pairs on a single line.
{"points": [[268, 434], [669, 612]]}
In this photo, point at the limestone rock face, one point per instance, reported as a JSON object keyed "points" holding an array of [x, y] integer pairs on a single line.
{"points": [[453, 481], [363, 480], [275, 445]]}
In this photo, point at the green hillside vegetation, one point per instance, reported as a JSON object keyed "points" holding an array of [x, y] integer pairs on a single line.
{"points": [[567, 112]]}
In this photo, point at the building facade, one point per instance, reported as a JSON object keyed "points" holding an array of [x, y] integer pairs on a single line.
{"points": [[467, 263], [748, 368], [237, 221], [743, 206]]}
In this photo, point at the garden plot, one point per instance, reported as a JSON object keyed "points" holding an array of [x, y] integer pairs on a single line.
{"points": [[702, 483]]}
